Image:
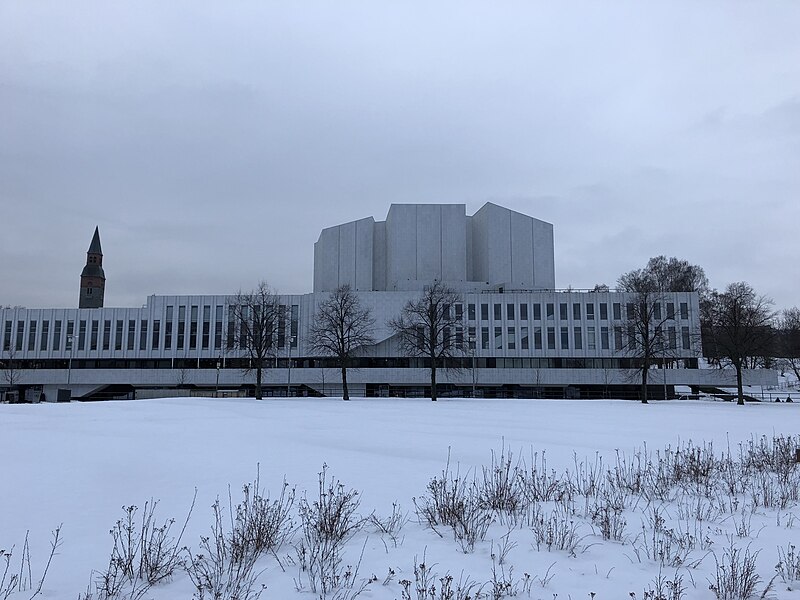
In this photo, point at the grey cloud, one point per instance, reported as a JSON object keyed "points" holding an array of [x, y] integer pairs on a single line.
{"points": [[212, 142]]}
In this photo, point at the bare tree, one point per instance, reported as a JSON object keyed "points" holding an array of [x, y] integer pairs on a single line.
{"points": [[256, 315], [10, 367], [789, 331], [429, 328], [342, 327], [740, 328], [676, 275], [643, 340]]}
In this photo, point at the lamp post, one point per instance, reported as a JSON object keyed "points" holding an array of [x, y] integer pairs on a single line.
{"points": [[216, 385], [472, 349], [289, 373]]}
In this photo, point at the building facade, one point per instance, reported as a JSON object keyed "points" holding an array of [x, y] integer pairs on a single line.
{"points": [[520, 336]]}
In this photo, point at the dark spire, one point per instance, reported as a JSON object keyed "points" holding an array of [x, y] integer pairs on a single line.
{"points": [[94, 247]]}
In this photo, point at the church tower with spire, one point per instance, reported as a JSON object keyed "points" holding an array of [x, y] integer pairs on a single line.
{"points": [[93, 279]]}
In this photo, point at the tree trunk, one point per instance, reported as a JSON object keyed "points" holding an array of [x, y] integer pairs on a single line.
{"points": [[433, 382], [739, 390], [644, 384], [345, 392], [259, 395]]}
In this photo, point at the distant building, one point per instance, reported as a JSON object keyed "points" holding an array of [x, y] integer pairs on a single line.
{"points": [[521, 337], [93, 278]]}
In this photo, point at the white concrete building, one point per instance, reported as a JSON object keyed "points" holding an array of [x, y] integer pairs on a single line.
{"points": [[419, 243], [529, 338]]}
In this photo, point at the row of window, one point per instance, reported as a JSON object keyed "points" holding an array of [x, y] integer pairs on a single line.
{"points": [[459, 362], [141, 334], [577, 338], [579, 311]]}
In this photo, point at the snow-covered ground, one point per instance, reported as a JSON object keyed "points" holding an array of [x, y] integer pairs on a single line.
{"points": [[80, 463]]}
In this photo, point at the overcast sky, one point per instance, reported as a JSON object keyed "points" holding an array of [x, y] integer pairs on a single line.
{"points": [[211, 142]]}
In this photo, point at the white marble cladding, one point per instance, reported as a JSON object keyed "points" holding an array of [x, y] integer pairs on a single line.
{"points": [[420, 243]]}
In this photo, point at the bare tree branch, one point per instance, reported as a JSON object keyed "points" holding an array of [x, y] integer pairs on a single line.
{"points": [[740, 328], [429, 328], [341, 327], [257, 316]]}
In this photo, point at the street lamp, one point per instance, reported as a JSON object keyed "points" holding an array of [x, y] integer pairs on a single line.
{"points": [[289, 375], [472, 349], [216, 386]]}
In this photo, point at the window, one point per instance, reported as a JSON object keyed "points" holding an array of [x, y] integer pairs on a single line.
{"points": [[537, 312], [206, 327], [656, 311], [70, 335], [95, 333], [617, 338], [118, 335], [576, 311], [632, 340], [537, 338], [459, 312], [181, 327], [143, 335], [565, 338], [106, 335], [7, 337], [193, 328], [498, 338], [484, 338], [551, 311], [590, 312], [684, 310], [217, 327], [156, 334], [168, 329], [562, 311], [685, 338], [498, 312], [591, 341], [603, 311], [57, 335], [631, 311], [471, 337], [471, 312], [512, 338], [45, 335], [446, 337], [671, 311], [82, 335], [523, 337], [523, 312], [32, 337], [460, 338], [294, 324], [231, 330], [131, 334], [484, 312], [617, 311], [551, 338], [20, 335], [510, 312], [672, 338], [604, 338], [578, 335]]}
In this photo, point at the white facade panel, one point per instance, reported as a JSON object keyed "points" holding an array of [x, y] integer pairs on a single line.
{"points": [[401, 245], [544, 264]]}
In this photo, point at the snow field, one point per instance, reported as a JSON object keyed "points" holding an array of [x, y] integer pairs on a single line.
{"points": [[79, 464]]}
